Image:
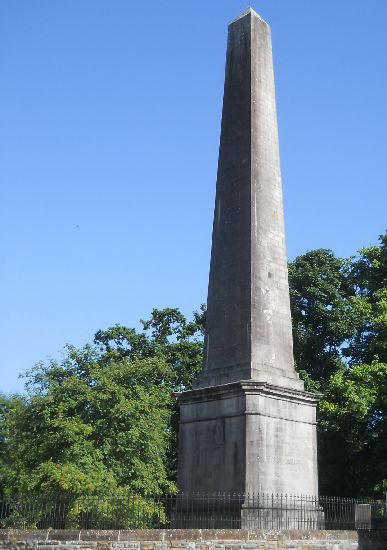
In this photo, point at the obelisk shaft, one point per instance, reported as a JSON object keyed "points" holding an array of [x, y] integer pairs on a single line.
{"points": [[248, 327]]}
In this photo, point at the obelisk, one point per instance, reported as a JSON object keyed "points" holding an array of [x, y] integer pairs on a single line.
{"points": [[248, 425]]}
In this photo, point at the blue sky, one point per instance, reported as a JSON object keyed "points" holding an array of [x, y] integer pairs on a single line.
{"points": [[109, 131]]}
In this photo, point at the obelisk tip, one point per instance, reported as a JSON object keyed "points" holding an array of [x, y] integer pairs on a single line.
{"points": [[247, 12]]}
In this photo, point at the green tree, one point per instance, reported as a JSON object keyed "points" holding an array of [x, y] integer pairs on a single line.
{"points": [[353, 432], [339, 311], [170, 336], [368, 277], [319, 298], [93, 422], [167, 334], [104, 417]]}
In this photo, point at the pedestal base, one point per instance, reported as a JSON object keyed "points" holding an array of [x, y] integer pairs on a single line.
{"points": [[248, 437]]}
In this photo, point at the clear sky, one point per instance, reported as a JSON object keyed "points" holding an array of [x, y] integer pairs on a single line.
{"points": [[109, 131]]}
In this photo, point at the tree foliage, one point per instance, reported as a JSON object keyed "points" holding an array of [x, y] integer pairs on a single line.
{"points": [[339, 310], [90, 423], [369, 279], [353, 432], [319, 292], [104, 417]]}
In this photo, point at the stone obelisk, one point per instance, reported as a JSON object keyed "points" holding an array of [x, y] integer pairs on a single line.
{"points": [[248, 425]]}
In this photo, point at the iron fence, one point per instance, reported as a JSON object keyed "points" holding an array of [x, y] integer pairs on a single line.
{"points": [[191, 511]]}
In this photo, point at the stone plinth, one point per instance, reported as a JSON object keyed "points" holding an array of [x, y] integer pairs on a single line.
{"points": [[248, 437]]}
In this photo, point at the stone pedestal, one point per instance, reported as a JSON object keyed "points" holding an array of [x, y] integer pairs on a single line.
{"points": [[248, 437]]}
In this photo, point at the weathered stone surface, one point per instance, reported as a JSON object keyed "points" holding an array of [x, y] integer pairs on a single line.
{"points": [[248, 437], [248, 327], [200, 539], [248, 426]]}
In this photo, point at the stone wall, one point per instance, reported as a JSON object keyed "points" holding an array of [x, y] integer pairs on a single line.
{"points": [[199, 539]]}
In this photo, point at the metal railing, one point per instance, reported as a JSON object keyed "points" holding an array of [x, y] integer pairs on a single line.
{"points": [[191, 511]]}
